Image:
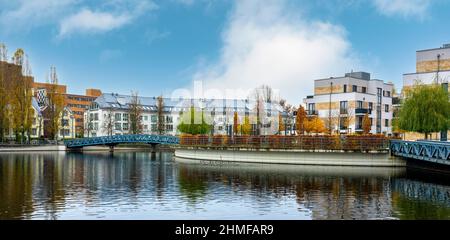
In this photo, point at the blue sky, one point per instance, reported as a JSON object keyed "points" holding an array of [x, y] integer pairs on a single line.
{"points": [[155, 47]]}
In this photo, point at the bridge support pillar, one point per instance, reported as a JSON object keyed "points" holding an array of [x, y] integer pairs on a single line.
{"points": [[111, 148], [153, 146]]}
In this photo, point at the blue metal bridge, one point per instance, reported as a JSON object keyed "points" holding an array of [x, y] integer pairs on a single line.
{"points": [[120, 139], [430, 151]]}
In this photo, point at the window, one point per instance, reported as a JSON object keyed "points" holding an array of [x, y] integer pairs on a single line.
{"points": [[345, 87], [33, 131], [364, 89], [154, 118], [117, 126], [169, 119], [65, 122], [145, 118], [146, 127], [359, 104], [95, 116], [125, 117], [386, 108], [125, 126], [154, 128], [344, 106], [359, 123], [343, 123], [169, 128], [355, 88], [386, 122], [117, 116], [95, 126], [311, 108], [388, 94], [370, 106], [379, 90]]}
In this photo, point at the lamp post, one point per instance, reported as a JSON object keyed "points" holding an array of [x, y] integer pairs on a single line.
{"points": [[329, 108]]}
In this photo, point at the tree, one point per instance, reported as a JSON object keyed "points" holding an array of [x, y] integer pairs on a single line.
{"points": [[366, 124], [161, 120], [235, 123], [300, 120], [88, 123], [109, 122], [246, 127], [332, 121], [194, 122], [281, 126], [55, 106], [426, 109], [349, 119], [4, 100], [21, 98], [135, 114], [287, 109], [315, 125]]}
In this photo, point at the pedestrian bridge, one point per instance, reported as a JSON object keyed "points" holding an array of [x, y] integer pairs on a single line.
{"points": [[430, 151], [120, 139]]}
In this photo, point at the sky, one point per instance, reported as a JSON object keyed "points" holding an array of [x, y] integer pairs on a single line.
{"points": [[227, 47]]}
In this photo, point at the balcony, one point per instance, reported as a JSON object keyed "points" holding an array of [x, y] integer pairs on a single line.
{"points": [[363, 111], [312, 112]]}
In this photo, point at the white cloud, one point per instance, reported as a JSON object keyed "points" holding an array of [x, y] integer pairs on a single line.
{"points": [[267, 43], [87, 21], [26, 14], [405, 8]]}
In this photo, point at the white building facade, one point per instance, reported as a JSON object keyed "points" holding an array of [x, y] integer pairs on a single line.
{"points": [[342, 103], [218, 112]]}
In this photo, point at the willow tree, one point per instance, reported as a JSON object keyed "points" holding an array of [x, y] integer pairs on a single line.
{"points": [[426, 109], [135, 114], [55, 106]]}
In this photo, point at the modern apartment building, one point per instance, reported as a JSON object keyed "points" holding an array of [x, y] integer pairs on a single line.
{"points": [[76, 103], [342, 103], [432, 66], [220, 113]]}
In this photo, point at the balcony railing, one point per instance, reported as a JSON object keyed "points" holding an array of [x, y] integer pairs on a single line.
{"points": [[312, 112], [363, 111]]}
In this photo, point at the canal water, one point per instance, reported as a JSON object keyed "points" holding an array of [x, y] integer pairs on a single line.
{"points": [[141, 185]]}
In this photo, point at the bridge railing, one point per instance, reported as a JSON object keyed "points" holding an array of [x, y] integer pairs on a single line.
{"points": [[120, 139], [432, 151], [303, 142]]}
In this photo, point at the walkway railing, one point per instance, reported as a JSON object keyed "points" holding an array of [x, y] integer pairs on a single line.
{"points": [[346, 143]]}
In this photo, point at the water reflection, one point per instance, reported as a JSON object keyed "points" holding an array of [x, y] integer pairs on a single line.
{"points": [[142, 185]]}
